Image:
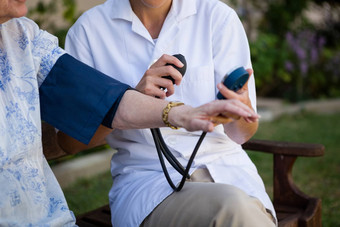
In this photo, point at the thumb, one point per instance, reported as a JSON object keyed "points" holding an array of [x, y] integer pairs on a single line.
{"points": [[227, 93], [250, 71]]}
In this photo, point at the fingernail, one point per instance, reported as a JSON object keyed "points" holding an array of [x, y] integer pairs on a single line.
{"points": [[219, 85]]}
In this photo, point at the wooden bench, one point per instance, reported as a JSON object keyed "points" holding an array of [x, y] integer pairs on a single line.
{"points": [[293, 207]]}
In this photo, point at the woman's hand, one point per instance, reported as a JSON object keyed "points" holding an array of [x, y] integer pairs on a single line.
{"points": [[152, 82], [241, 129], [242, 94], [202, 118]]}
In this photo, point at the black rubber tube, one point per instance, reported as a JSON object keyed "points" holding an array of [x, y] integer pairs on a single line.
{"points": [[162, 148]]}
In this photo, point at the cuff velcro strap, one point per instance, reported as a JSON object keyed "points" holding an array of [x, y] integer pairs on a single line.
{"points": [[75, 98]]}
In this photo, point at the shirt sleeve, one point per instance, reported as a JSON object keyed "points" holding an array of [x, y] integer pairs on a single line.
{"points": [[231, 45], [78, 46], [45, 50], [76, 98]]}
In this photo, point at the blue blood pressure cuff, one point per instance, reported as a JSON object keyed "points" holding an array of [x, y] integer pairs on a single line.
{"points": [[76, 98]]}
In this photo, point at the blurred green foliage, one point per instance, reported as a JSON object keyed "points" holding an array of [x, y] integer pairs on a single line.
{"points": [[293, 57], [47, 15]]}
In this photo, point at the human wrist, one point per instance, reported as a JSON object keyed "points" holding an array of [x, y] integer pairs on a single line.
{"points": [[172, 115]]}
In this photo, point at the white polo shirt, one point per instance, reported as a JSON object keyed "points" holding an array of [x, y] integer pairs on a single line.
{"points": [[111, 38]]}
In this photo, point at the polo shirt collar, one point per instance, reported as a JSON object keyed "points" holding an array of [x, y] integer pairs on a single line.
{"points": [[183, 8], [121, 9]]}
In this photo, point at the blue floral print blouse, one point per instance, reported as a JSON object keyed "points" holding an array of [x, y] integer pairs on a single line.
{"points": [[29, 193]]}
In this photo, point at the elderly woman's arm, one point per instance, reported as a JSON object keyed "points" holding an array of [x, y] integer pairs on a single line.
{"points": [[141, 111]]}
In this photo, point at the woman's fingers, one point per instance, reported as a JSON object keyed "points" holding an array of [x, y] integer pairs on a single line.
{"points": [[207, 116], [250, 71], [241, 94], [164, 64], [167, 59], [232, 110], [153, 82], [230, 107], [155, 86]]}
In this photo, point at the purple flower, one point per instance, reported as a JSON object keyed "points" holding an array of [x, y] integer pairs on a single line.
{"points": [[300, 53], [321, 42], [289, 66], [291, 40], [306, 46], [303, 68], [314, 55]]}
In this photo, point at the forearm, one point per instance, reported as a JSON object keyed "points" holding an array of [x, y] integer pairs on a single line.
{"points": [[73, 146], [240, 130], [139, 111]]}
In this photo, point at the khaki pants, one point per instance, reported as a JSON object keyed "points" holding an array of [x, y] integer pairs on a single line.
{"points": [[202, 203]]}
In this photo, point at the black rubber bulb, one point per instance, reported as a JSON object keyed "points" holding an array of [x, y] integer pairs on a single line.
{"points": [[181, 70]]}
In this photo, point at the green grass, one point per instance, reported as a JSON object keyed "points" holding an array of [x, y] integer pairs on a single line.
{"points": [[319, 177], [88, 194]]}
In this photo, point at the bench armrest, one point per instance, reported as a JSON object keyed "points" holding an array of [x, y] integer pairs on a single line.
{"points": [[285, 148]]}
